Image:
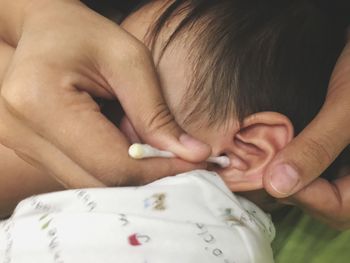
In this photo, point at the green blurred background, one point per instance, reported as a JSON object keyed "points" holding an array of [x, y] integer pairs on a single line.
{"points": [[301, 239]]}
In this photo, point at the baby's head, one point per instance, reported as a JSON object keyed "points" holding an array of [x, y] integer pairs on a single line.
{"points": [[242, 75]]}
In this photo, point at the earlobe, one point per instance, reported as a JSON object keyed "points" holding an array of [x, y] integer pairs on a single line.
{"points": [[259, 139]]}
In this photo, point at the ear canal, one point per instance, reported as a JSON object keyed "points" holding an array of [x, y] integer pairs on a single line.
{"points": [[255, 145]]}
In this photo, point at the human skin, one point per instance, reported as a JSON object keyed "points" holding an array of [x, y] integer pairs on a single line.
{"points": [[302, 160], [322, 140], [174, 85], [63, 54], [248, 150], [293, 176]]}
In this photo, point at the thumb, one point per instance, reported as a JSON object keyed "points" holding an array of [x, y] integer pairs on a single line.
{"points": [[309, 154], [137, 87], [316, 147]]}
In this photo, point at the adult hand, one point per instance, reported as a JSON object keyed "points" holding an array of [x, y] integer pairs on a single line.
{"points": [[293, 174], [65, 54]]}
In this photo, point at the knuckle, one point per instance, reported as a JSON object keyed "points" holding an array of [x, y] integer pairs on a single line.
{"points": [[116, 175], [337, 217], [19, 99], [132, 52], [319, 151], [138, 174], [138, 56], [160, 119], [4, 136], [137, 50], [7, 129]]}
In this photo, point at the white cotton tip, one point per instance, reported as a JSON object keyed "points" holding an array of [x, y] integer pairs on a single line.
{"points": [[222, 161], [140, 151], [136, 151]]}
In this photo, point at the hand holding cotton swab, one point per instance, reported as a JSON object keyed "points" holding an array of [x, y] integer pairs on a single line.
{"points": [[140, 151]]}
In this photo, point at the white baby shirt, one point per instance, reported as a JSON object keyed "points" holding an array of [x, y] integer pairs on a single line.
{"points": [[189, 218]]}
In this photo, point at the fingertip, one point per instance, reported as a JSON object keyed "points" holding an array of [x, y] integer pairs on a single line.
{"points": [[193, 149], [281, 180], [184, 147]]}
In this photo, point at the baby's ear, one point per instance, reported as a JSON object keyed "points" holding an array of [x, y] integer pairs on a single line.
{"points": [[261, 136]]}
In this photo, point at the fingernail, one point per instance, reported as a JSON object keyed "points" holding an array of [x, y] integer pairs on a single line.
{"points": [[283, 179], [191, 143]]}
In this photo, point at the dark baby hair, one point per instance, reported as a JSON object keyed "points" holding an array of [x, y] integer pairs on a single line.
{"points": [[251, 56]]}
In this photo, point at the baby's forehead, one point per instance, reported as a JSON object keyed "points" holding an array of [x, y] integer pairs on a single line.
{"points": [[175, 65], [141, 23]]}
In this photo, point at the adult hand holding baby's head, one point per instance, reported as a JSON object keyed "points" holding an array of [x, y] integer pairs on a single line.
{"points": [[294, 173], [65, 54]]}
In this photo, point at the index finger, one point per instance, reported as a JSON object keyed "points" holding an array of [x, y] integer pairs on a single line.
{"points": [[330, 202]]}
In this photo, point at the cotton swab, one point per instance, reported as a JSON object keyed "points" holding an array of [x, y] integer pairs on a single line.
{"points": [[140, 151], [222, 161]]}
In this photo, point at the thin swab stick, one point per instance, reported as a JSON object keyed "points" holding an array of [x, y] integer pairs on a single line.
{"points": [[140, 151]]}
